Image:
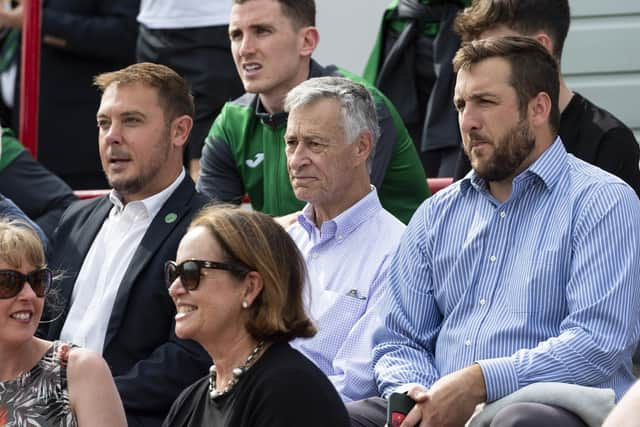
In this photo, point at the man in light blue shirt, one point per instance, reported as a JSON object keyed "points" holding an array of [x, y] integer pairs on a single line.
{"points": [[526, 271], [344, 233]]}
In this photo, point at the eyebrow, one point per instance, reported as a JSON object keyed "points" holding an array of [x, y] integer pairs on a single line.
{"points": [[235, 30], [124, 114], [482, 95], [132, 113]]}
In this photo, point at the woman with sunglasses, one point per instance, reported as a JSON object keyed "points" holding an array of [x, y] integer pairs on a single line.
{"points": [[237, 285], [43, 383]]}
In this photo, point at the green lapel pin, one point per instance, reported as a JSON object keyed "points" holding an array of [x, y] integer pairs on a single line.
{"points": [[170, 217]]}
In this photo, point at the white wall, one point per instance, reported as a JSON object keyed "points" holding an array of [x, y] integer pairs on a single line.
{"points": [[348, 29]]}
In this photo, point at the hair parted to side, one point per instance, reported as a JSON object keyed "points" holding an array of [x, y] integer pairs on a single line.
{"points": [[256, 240], [19, 242], [533, 69], [526, 17], [174, 94], [357, 107], [302, 13]]}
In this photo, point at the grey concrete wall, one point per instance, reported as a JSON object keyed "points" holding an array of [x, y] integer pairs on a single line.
{"points": [[602, 53], [348, 30], [602, 56]]}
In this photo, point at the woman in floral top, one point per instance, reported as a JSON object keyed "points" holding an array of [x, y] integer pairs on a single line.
{"points": [[43, 383]]}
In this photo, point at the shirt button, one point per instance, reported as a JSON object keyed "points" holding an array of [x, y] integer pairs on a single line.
{"points": [[467, 343], [315, 255], [503, 214], [483, 301], [339, 237], [493, 258]]}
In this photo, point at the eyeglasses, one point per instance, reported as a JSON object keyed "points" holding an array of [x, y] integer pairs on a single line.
{"points": [[189, 271], [12, 282]]}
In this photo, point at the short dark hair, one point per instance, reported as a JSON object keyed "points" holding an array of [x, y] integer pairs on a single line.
{"points": [[523, 16], [173, 91], [259, 242], [302, 13], [533, 69]]}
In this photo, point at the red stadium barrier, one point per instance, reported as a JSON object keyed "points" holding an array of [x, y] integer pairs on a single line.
{"points": [[30, 76], [89, 194], [437, 184]]}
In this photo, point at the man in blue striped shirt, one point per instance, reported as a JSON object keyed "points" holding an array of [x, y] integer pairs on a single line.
{"points": [[525, 271]]}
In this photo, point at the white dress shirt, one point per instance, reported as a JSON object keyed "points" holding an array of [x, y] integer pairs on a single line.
{"points": [[105, 265]]}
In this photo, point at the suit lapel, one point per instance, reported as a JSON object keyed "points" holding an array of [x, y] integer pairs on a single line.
{"points": [[166, 220], [78, 243], [83, 239]]}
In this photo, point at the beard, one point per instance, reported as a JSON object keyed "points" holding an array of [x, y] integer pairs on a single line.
{"points": [[509, 153]]}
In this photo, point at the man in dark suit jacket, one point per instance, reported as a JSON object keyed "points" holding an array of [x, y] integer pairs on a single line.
{"points": [[112, 249]]}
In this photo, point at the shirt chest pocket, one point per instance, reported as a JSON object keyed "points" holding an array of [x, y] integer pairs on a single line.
{"points": [[541, 287], [335, 313]]}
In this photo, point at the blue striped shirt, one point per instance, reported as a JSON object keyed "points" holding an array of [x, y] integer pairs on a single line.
{"points": [[543, 287]]}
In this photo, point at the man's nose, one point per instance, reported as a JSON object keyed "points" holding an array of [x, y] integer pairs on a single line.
{"points": [[469, 120], [298, 156]]}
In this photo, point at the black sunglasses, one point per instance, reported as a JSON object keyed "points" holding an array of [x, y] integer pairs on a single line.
{"points": [[12, 282], [189, 271]]}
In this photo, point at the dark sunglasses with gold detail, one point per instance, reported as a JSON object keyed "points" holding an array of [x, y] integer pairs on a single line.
{"points": [[12, 282], [189, 271]]}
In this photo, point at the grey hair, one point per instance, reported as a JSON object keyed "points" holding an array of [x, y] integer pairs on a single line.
{"points": [[357, 107]]}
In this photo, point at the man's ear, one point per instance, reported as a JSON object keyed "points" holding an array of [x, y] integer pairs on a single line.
{"points": [[310, 38], [180, 130], [363, 146], [540, 109], [545, 40], [253, 286]]}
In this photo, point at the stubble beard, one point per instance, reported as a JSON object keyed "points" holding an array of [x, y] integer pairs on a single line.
{"points": [[136, 184]]}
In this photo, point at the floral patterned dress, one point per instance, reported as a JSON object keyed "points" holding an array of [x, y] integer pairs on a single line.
{"points": [[39, 397]]}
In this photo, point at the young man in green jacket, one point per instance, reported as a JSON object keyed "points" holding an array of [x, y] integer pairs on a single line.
{"points": [[272, 42]]}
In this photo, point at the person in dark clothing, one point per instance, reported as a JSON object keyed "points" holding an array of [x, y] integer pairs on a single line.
{"points": [[192, 38], [411, 64], [588, 132], [80, 39], [39, 193], [238, 284]]}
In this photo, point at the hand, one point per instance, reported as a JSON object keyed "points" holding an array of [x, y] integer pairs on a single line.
{"points": [[11, 18], [450, 402]]}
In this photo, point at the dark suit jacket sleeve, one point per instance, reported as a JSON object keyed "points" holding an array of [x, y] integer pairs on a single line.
{"points": [[9, 211], [153, 384], [101, 32], [39, 193]]}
